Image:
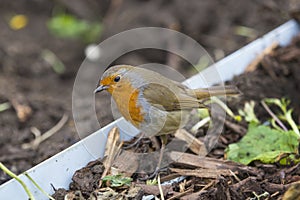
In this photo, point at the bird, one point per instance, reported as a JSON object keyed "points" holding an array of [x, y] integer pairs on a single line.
{"points": [[153, 103]]}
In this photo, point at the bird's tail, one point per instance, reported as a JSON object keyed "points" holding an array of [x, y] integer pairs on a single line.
{"points": [[203, 93]]}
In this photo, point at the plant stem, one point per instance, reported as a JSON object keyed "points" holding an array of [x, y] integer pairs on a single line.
{"points": [[224, 107], [11, 174], [274, 116], [38, 187], [200, 124], [292, 123]]}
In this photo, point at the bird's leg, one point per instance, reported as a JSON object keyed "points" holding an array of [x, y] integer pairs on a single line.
{"points": [[136, 142], [164, 140]]}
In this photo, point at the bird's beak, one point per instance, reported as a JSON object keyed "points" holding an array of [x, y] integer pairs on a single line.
{"points": [[101, 88]]}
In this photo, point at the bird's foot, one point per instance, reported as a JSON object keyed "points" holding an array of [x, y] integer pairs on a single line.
{"points": [[154, 174], [135, 143]]}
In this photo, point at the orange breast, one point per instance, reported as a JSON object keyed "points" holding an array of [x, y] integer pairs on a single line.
{"points": [[126, 98]]}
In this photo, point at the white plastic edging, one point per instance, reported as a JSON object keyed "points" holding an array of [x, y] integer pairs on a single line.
{"points": [[58, 170]]}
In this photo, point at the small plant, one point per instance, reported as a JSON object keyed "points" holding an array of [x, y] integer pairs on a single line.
{"points": [[248, 113], [117, 180], [152, 182], [286, 114], [264, 143]]}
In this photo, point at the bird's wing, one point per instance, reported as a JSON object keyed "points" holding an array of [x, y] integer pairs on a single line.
{"points": [[203, 93], [170, 98]]}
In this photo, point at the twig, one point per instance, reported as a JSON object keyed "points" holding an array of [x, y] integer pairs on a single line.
{"points": [[207, 186], [177, 196], [37, 186], [274, 194], [39, 139], [243, 182], [253, 65], [160, 188], [235, 127], [136, 142], [11, 174], [110, 152], [274, 116], [36, 132], [235, 176]]}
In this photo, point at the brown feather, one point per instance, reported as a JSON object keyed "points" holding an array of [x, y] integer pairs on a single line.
{"points": [[165, 98], [203, 93], [186, 99]]}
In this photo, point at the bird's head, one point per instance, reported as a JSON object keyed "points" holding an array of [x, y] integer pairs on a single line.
{"points": [[112, 78]]}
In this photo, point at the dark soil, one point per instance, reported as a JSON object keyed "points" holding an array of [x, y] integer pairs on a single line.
{"points": [[275, 76], [27, 79]]}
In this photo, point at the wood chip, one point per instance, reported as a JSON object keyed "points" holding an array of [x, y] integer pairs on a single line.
{"points": [[154, 189], [126, 163], [180, 158], [193, 143], [254, 64], [202, 173]]}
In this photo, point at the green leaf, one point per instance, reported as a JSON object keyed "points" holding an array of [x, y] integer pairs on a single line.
{"points": [[68, 26], [203, 113], [117, 180], [264, 144], [151, 182]]}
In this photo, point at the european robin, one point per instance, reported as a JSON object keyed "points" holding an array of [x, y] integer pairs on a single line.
{"points": [[154, 104]]}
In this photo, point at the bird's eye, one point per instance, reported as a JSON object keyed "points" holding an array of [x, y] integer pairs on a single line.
{"points": [[117, 78]]}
